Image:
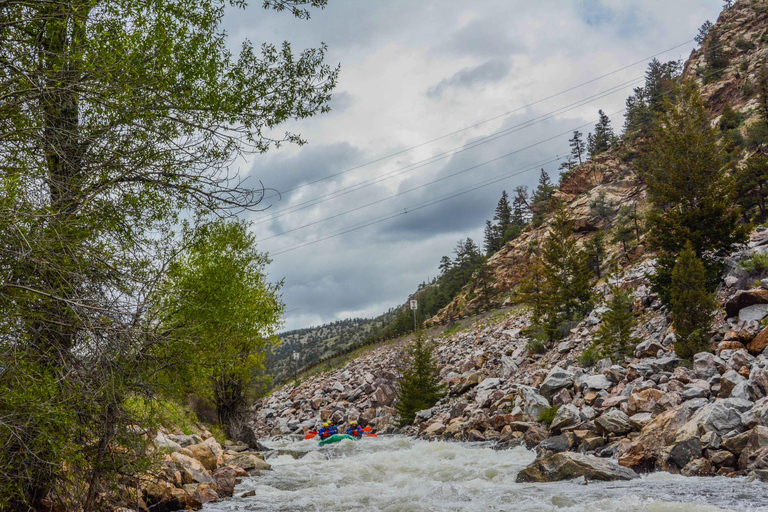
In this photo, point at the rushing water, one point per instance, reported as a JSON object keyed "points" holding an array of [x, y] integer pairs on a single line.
{"points": [[398, 474]]}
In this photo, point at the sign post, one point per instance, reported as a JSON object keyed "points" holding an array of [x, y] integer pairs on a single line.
{"points": [[414, 307]]}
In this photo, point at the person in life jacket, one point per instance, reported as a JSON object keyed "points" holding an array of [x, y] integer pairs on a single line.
{"points": [[354, 429], [327, 430]]}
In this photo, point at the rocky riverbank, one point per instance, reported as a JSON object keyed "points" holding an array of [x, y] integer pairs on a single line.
{"points": [[652, 411]]}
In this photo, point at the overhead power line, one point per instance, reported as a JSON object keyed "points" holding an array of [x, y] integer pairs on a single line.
{"points": [[450, 153], [480, 123]]}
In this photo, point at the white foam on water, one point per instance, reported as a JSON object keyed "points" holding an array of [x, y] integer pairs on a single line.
{"points": [[399, 474]]}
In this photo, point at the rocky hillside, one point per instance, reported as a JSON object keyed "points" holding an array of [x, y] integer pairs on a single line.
{"points": [[612, 177], [651, 410]]}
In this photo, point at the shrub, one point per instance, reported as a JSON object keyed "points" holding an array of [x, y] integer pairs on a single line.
{"points": [[536, 347], [757, 134], [589, 357], [548, 414], [419, 388], [756, 264], [730, 118], [744, 44], [691, 304]]}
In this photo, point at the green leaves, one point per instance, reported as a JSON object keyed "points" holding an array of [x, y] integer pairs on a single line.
{"points": [[419, 387]]}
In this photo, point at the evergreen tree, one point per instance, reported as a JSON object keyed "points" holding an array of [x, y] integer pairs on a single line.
{"points": [[615, 332], [491, 241], [567, 291], [603, 138], [752, 188], [503, 214], [714, 55], [727, 4], [703, 32], [595, 248], [567, 164], [577, 145], [483, 282], [419, 387], [531, 288], [689, 190], [648, 101], [540, 198], [628, 228], [691, 304], [521, 206]]}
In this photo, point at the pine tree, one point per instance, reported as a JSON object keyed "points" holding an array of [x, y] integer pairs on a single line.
{"points": [[503, 213], [615, 332], [689, 190], [714, 55], [540, 198], [521, 206], [595, 248], [703, 32], [603, 138], [491, 241], [419, 386], [752, 188], [483, 282], [567, 291], [691, 304], [628, 228], [577, 146], [648, 101], [727, 4], [531, 288]]}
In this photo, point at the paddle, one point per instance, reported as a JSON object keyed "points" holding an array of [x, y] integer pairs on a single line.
{"points": [[310, 434], [371, 435], [367, 429]]}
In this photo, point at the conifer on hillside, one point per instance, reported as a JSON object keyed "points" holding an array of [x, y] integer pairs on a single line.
{"points": [[419, 387], [603, 138], [567, 290], [690, 191], [615, 332], [691, 303]]}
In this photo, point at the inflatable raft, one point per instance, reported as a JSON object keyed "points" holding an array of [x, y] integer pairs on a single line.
{"points": [[335, 439]]}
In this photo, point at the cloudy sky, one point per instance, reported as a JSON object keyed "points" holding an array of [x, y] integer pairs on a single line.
{"points": [[435, 98]]}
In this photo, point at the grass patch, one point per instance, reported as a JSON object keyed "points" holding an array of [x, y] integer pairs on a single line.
{"points": [[453, 329], [548, 415], [536, 346], [756, 264]]}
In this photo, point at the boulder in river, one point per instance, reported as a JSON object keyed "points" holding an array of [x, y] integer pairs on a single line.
{"points": [[570, 465]]}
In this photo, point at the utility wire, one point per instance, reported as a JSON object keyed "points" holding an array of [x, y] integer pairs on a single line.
{"points": [[480, 123], [461, 192], [450, 153]]}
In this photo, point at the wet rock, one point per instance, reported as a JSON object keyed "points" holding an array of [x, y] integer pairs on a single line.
{"points": [[561, 443], [644, 453], [722, 458], [247, 461], [569, 465], [685, 451], [697, 467], [735, 444], [614, 422], [756, 440]]}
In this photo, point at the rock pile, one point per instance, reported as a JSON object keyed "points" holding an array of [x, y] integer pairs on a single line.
{"points": [[648, 410], [194, 470]]}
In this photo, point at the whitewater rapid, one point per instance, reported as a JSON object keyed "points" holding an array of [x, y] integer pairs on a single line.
{"points": [[399, 474]]}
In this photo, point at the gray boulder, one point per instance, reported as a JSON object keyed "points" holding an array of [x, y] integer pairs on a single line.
{"points": [[705, 365], [728, 381], [615, 422], [556, 380], [753, 313], [567, 416], [569, 465]]}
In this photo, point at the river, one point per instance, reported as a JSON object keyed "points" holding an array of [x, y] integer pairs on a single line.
{"points": [[399, 474]]}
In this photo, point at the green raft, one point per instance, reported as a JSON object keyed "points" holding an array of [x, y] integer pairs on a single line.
{"points": [[335, 439]]}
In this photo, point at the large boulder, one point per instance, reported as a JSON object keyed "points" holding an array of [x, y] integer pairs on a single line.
{"points": [[705, 365], [759, 342], [248, 461], [756, 441], [192, 471], [567, 416], [226, 479], [744, 299], [728, 381], [569, 465], [614, 422], [556, 380], [533, 403], [644, 453], [203, 454], [721, 417], [753, 313], [652, 401]]}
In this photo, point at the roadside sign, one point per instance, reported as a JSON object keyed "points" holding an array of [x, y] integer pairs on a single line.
{"points": [[414, 304]]}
